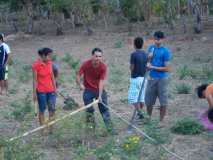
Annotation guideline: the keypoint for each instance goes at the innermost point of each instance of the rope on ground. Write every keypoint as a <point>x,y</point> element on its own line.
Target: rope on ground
<point>53,122</point>
<point>143,133</point>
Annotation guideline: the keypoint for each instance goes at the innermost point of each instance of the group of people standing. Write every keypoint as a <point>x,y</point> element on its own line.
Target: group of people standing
<point>149,76</point>
<point>149,80</point>
<point>94,73</point>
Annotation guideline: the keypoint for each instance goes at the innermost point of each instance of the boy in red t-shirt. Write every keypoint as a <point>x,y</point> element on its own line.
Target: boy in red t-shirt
<point>206,91</point>
<point>94,73</point>
<point>44,86</point>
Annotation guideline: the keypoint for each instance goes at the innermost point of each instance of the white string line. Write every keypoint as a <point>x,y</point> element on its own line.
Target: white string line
<point>143,133</point>
<point>83,108</point>
<point>53,122</point>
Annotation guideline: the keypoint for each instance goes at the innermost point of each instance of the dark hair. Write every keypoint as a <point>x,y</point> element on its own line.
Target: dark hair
<point>159,35</point>
<point>210,115</point>
<point>44,51</point>
<point>200,90</point>
<point>138,42</point>
<point>96,50</point>
<point>2,37</point>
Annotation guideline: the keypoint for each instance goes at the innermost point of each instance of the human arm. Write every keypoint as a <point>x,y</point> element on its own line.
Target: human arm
<point>165,59</point>
<point>78,81</point>
<point>53,81</point>
<point>78,77</point>
<point>34,85</point>
<point>8,52</point>
<point>132,60</point>
<point>101,88</point>
<point>209,98</point>
<point>131,67</point>
<point>102,81</point>
<point>166,68</point>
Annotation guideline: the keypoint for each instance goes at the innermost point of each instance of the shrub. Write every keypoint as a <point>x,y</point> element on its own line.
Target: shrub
<point>183,72</point>
<point>21,152</point>
<point>21,109</point>
<point>208,73</point>
<point>131,144</point>
<point>118,44</point>
<point>72,63</point>
<point>183,88</point>
<point>25,73</point>
<point>187,127</point>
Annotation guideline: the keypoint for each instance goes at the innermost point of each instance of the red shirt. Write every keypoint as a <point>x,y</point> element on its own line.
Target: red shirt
<point>44,76</point>
<point>92,74</point>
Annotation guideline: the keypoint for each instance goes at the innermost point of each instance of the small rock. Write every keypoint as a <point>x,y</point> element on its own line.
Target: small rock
<point>204,39</point>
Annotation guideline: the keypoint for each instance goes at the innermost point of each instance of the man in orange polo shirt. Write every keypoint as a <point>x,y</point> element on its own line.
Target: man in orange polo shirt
<point>44,86</point>
<point>206,91</point>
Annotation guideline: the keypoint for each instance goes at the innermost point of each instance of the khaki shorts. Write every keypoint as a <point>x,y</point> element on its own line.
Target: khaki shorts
<point>157,88</point>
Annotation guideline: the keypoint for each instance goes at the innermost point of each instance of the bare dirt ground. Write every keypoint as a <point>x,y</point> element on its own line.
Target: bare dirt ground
<point>194,51</point>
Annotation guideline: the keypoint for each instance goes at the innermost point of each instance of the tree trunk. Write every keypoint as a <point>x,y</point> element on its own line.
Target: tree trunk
<point>58,20</point>
<point>30,25</point>
<point>197,12</point>
<point>14,25</point>
<point>190,6</point>
<point>28,5</point>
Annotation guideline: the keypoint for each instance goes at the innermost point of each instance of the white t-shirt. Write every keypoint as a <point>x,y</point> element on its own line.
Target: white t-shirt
<point>6,47</point>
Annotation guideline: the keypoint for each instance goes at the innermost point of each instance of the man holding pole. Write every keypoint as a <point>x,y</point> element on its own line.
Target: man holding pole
<point>94,73</point>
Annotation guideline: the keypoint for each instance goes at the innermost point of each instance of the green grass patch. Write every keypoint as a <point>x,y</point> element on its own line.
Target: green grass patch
<point>183,88</point>
<point>183,72</point>
<point>21,108</point>
<point>187,127</point>
<point>118,44</point>
<point>71,61</point>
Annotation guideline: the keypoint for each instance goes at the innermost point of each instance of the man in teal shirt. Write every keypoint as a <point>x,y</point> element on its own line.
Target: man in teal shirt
<point>159,66</point>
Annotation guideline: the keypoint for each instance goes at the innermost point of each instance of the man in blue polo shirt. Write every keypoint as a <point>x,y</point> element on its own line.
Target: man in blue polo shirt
<point>159,66</point>
<point>4,56</point>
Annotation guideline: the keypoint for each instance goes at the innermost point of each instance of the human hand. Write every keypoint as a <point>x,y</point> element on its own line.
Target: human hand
<point>100,99</point>
<point>149,66</point>
<point>82,87</point>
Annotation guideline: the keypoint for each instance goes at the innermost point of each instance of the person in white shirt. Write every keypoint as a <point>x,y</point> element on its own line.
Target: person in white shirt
<point>4,57</point>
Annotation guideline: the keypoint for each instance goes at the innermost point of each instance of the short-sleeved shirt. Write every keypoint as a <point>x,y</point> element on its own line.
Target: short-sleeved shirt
<point>209,90</point>
<point>139,60</point>
<point>160,56</point>
<point>44,76</point>
<point>4,51</point>
<point>92,75</point>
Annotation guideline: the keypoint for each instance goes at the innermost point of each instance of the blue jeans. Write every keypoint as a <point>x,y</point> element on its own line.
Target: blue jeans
<point>88,97</point>
<point>46,99</point>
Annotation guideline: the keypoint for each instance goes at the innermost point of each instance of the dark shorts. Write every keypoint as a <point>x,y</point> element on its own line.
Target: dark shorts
<point>2,73</point>
<point>157,88</point>
<point>46,99</point>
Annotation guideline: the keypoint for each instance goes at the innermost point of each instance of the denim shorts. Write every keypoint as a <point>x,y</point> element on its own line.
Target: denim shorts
<point>46,99</point>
